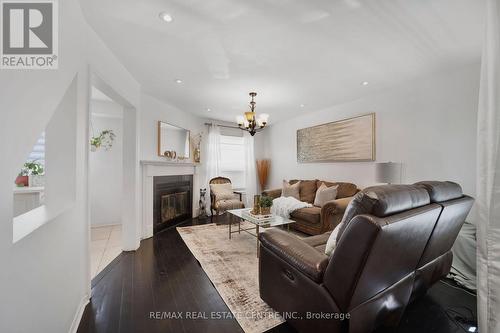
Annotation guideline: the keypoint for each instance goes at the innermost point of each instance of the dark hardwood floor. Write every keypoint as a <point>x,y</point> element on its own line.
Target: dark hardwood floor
<point>164,277</point>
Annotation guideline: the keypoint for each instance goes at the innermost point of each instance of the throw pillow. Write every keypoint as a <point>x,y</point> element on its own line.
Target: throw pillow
<point>307,190</point>
<point>291,190</point>
<point>362,203</point>
<point>332,241</point>
<point>325,194</point>
<point>222,191</point>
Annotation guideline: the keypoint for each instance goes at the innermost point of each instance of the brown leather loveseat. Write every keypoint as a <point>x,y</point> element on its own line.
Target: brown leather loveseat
<point>317,220</point>
<point>385,257</point>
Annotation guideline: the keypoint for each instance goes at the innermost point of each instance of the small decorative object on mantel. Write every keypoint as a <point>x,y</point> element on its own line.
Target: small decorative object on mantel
<point>196,143</point>
<point>104,140</point>
<point>249,122</point>
<point>170,154</point>
<point>202,204</point>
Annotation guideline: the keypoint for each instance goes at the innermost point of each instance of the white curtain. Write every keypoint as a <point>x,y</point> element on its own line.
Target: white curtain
<point>213,154</point>
<point>488,177</point>
<point>250,173</point>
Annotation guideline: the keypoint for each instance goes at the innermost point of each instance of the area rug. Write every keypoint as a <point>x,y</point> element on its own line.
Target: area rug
<point>232,266</point>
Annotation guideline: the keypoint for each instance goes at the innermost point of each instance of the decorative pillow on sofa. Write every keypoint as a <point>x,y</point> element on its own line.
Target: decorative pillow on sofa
<point>222,191</point>
<point>291,190</point>
<point>332,241</point>
<point>325,194</point>
<point>362,203</point>
<point>307,190</point>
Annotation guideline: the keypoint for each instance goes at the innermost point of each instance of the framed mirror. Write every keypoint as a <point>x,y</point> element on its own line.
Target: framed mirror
<point>173,141</point>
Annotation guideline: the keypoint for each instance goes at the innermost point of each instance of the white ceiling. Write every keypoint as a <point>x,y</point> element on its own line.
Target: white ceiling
<point>290,52</point>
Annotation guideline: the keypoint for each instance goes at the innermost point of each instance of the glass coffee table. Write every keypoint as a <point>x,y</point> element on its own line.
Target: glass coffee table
<point>243,214</point>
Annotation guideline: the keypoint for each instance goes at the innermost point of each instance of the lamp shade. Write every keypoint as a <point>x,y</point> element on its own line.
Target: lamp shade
<point>388,172</point>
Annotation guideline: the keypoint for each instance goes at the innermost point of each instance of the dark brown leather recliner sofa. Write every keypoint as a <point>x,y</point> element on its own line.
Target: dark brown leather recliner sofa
<point>385,258</point>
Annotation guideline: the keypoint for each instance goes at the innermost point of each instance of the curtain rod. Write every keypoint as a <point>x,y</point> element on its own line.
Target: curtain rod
<point>208,124</point>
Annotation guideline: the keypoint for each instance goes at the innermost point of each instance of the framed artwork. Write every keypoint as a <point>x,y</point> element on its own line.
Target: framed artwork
<point>351,139</point>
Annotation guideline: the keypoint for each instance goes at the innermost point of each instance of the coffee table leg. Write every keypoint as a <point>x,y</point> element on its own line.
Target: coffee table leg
<point>239,226</point>
<point>257,232</point>
<point>230,227</point>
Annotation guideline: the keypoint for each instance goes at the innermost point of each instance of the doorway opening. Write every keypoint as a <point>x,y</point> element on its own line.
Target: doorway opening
<point>113,174</point>
<point>105,180</point>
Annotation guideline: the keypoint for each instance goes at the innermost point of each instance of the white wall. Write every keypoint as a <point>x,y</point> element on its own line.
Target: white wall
<point>45,276</point>
<point>153,110</point>
<point>106,166</point>
<point>428,124</point>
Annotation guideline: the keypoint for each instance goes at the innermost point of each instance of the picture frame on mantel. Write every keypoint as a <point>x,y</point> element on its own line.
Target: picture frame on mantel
<point>346,140</point>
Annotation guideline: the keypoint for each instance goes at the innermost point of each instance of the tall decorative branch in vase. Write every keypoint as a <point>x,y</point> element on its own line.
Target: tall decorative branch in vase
<point>263,167</point>
<point>196,144</point>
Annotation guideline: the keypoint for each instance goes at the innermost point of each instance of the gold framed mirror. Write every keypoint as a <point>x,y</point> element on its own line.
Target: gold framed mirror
<point>173,141</point>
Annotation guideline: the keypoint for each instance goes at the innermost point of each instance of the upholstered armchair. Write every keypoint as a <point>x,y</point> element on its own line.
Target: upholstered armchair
<point>220,205</point>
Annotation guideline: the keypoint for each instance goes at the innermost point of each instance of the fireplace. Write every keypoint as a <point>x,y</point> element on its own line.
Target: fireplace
<point>173,200</point>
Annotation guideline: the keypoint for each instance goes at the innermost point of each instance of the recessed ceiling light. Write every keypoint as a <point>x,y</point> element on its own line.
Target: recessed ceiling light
<point>178,81</point>
<point>208,109</point>
<point>302,105</point>
<point>166,17</point>
<point>364,83</point>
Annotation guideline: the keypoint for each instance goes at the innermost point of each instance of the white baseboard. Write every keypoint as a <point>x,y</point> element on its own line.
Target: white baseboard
<point>79,314</point>
<point>98,225</point>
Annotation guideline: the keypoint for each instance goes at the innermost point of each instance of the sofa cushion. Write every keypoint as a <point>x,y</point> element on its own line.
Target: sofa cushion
<point>393,199</point>
<point>360,204</point>
<point>291,190</point>
<point>331,242</point>
<point>442,191</point>
<point>309,214</point>
<point>325,194</point>
<point>317,240</point>
<point>345,189</point>
<point>222,191</point>
<point>308,190</point>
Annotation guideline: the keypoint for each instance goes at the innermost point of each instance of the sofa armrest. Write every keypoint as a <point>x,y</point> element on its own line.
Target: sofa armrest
<point>272,193</point>
<point>295,252</point>
<point>332,212</point>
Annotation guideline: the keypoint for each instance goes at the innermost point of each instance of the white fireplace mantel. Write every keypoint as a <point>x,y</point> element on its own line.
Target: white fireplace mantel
<point>151,169</point>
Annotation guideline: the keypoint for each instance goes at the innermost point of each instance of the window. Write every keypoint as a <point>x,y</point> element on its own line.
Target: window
<point>233,160</point>
<point>38,152</point>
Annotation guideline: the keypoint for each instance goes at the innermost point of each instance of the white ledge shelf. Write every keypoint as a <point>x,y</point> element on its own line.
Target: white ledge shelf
<point>167,163</point>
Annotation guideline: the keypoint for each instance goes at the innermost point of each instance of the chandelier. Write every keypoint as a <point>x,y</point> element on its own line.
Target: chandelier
<point>249,122</point>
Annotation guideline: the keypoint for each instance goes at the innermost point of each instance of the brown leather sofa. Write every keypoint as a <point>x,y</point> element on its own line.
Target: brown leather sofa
<point>386,257</point>
<point>317,220</point>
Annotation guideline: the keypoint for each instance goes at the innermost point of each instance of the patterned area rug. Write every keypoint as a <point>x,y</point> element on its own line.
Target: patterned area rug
<point>232,266</point>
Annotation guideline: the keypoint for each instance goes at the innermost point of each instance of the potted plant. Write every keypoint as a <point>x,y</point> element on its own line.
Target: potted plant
<point>22,178</point>
<point>104,139</point>
<point>36,172</point>
<point>265,205</point>
<point>30,174</point>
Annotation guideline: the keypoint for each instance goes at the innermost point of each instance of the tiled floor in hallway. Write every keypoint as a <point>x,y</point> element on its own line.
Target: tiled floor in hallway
<point>105,245</point>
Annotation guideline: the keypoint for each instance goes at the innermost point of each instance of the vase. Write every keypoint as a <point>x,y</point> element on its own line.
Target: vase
<point>197,155</point>
<point>22,181</point>
<point>36,181</point>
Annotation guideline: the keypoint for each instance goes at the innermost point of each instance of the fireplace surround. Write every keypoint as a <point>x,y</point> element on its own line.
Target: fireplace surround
<point>152,169</point>
<point>173,200</point>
